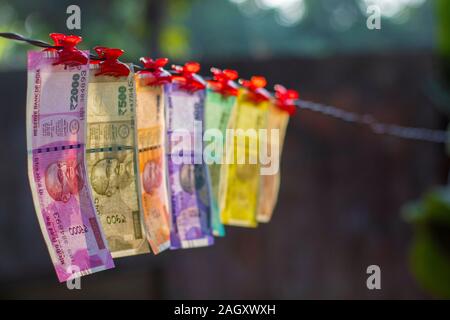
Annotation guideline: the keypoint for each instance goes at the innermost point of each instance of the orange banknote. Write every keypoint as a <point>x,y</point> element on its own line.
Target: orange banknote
<point>152,165</point>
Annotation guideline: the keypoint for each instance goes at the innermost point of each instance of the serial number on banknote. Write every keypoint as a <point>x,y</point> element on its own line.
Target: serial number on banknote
<point>79,229</point>
<point>115,219</point>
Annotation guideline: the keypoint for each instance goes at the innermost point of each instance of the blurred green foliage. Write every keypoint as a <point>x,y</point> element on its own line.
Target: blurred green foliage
<point>115,23</point>
<point>217,29</point>
<point>430,252</point>
<point>324,27</point>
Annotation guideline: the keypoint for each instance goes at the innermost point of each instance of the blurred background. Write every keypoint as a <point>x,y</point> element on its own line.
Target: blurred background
<point>348,199</point>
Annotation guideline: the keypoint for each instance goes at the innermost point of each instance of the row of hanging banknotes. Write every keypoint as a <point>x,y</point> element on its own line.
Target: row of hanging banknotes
<point>104,156</point>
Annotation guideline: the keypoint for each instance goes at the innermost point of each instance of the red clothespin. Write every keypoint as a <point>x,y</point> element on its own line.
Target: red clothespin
<point>255,89</point>
<point>223,82</point>
<point>188,78</point>
<point>68,53</point>
<point>285,99</point>
<point>153,69</point>
<point>108,63</point>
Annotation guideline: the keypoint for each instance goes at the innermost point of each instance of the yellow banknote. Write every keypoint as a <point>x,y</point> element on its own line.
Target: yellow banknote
<point>111,155</point>
<point>270,183</point>
<point>152,165</point>
<point>241,174</point>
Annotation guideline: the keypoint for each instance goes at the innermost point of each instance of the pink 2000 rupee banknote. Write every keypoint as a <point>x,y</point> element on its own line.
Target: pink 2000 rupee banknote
<point>56,101</point>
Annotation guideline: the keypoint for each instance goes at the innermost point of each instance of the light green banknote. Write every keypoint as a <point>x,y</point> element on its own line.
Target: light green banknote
<point>218,110</point>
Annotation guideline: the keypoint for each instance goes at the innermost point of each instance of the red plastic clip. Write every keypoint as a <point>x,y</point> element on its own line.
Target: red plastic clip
<point>223,82</point>
<point>68,53</point>
<point>188,78</point>
<point>285,99</point>
<point>157,75</point>
<point>109,65</point>
<point>255,87</point>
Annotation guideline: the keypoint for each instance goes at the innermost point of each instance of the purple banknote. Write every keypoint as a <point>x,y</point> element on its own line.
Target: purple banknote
<point>188,179</point>
<point>56,101</point>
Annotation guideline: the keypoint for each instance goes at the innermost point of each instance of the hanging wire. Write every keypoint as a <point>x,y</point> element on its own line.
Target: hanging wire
<point>18,37</point>
<point>37,43</point>
<point>410,133</point>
